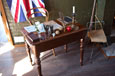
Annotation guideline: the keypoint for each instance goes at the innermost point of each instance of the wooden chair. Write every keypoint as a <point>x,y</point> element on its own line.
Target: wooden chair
<point>29,15</point>
<point>96,34</point>
<point>46,15</point>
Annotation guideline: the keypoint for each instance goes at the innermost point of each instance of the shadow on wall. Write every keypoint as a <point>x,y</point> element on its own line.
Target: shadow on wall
<point>3,37</point>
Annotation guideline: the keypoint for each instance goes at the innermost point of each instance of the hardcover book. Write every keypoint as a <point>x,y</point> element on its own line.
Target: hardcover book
<point>33,36</point>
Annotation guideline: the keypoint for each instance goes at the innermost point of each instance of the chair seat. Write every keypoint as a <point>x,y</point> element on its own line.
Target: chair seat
<point>97,36</point>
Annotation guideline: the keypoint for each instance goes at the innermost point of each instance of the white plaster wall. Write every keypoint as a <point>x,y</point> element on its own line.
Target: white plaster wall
<point>3,37</point>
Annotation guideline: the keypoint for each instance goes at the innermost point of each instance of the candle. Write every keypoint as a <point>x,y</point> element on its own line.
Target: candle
<point>73,9</point>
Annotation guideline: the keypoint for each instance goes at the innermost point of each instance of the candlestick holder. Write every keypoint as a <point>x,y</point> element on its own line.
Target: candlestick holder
<point>73,20</point>
<point>74,26</point>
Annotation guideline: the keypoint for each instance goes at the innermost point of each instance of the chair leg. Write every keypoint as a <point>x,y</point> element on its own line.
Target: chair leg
<point>102,51</point>
<point>91,54</point>
<point>65,47</point>
<point>53,50</point>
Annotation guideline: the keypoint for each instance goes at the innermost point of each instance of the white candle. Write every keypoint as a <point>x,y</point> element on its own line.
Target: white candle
<point>73,9</point>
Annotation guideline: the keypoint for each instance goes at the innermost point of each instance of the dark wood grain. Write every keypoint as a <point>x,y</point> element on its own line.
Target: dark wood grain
<point>53,42</point>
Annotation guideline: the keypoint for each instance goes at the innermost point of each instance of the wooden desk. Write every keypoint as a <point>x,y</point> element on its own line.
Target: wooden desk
<point>62,39</point>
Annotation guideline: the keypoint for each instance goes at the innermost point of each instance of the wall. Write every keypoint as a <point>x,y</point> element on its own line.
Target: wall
<point>108,16</point>
<point>3,37</point>
<point>6,27</point>
<point>83,9</point>
<point>100,9</point>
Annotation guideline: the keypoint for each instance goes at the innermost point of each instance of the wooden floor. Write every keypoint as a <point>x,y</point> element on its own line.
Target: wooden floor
<point>15,62</point>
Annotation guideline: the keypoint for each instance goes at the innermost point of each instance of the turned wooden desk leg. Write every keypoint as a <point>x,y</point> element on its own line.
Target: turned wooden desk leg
<point>53,50</point>
<point>65,47</point>
<point>81,52</point>
<point>28,52</point>
<point>37,61</point>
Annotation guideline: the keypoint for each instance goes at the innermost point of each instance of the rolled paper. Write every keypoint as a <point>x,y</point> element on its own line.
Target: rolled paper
<point>73,9</point>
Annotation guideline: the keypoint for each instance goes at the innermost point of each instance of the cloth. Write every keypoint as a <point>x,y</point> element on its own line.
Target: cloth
<point>19,8</point>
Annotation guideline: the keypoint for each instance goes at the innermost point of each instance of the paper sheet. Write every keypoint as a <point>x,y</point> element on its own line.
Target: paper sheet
<point>30,28</point>
<point>33,29</point>
<point>54,24</point>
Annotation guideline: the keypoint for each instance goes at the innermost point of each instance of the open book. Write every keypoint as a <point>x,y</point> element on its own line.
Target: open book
<point>66,20</point>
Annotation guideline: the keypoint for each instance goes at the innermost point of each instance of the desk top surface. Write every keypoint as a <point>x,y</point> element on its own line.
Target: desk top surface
<point>35,40</point>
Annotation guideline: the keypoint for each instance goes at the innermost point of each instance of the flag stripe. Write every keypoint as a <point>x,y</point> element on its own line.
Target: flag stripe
<point>17,11</point>
<point>27,6</point>
<point>41,5</point>
<point>42,2</point>
<point>10,4</point>
<point>36,10</point>
<point>13,8</point>
<point>22,15</point>
<point>35,4</point>
<point>31,6</point>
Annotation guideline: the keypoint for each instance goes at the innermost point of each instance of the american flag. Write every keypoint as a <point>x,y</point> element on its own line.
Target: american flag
<point>19,8</point>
